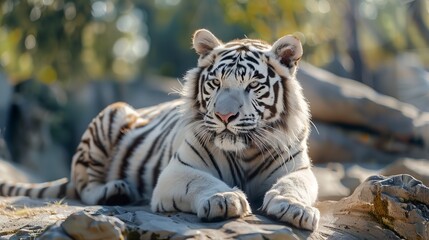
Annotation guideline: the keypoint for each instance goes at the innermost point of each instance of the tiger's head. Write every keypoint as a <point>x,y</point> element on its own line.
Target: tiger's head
<point>244,92</point>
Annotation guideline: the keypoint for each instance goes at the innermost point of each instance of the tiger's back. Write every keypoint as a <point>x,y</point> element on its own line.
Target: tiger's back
<point>119,157</point>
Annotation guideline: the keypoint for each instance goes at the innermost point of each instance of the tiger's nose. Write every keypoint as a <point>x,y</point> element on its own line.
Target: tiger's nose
<point>226,118</point>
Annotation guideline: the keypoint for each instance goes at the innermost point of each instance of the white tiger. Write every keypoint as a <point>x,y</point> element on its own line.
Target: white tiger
<point>236,139</point>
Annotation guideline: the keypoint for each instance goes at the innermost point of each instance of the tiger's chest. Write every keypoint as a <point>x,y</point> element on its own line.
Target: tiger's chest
<point>145,151</point>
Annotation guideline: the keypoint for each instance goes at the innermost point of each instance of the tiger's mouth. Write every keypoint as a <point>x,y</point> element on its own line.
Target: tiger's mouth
<point>228,141</point>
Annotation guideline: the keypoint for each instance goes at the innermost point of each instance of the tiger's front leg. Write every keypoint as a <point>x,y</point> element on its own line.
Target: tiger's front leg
<point>291,198</point>
<point>185,186</point>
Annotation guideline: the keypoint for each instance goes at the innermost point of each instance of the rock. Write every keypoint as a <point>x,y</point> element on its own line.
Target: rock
<point>356,173</point>
<point>380,208</point>
<point>31,126</point>
<point>331,143</point>
<point>329,179</point>
<point>356,123</point>
<point>417,168</point>
<point>340,100</point>
<point>5,99</point>
<point>10,172</point>
<point>25,218</point>
<point>4,150</point>
<point>82,226</point>
<point>404,78</point>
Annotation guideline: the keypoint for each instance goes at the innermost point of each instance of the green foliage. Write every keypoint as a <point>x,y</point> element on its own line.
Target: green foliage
<point>79,40</point>
<point>365,33</point>
<point>65,40</point>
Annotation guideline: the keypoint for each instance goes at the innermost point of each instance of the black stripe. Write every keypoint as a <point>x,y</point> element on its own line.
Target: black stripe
<point>112,115</point>
<point>1,189</point>
<point>296,214</point>
<point>141,168</point>
<point>265,163</point>
<point>300,220</point>
<point>170,151</point>
<point>81,162</point>
<point>232,170</point>
<point>28,192</point>
<point>41,192</point>
<point>86,141</point>
<point>285,212</point>
<point>182,162</point>
<point>197,85</point>
<point>280,165</point>
<point>196,152</point>
<point>272,159</point>
<point>95,163</point>
<point>155,145</point>
<point>175,206</point>
<point>240,173</point>
<point>83,186</point>
<point>273,108</point>
<point>9,192</point>
<point>251,59</point>
<point>253,157</point>
<point>213,162</point>
<point>96,140</point>
<point>162,207</point>
<point>258,169</point>
<point>173,117</point>
<point>271,72</point>
<point>130,150</point>
<point>62,191</point>
<point>187,186</point>
<point>100,119</point>
<point>244,124</point>
<point>157,168</point>
<point>303,168</point>
<point>225,215</point>
<point>210,208</point>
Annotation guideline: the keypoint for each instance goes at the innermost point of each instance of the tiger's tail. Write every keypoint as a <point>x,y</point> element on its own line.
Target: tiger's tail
<point>61,188</point>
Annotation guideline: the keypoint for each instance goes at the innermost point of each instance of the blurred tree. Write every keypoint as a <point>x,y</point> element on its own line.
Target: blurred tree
<point>79,40</point>
<point>171,25</point>
<point>65,40</point>
<point>355,36</point>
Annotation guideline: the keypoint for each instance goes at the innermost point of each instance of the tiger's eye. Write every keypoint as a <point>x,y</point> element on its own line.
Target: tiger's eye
<point>254,84</point>
<point>216,82</point>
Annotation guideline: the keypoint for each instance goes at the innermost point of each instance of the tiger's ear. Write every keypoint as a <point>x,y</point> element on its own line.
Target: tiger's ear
<point>204,42</point>
<point>288,50</point>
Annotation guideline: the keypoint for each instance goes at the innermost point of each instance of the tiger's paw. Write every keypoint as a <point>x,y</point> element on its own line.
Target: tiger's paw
<point>291,211</point>
<point>221,206</point>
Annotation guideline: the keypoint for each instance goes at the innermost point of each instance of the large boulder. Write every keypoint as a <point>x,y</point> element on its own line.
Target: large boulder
<point>404,78</point>
<point>354,123</point>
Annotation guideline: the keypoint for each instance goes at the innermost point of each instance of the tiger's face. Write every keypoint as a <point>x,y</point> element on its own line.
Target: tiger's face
<point>241,89</point>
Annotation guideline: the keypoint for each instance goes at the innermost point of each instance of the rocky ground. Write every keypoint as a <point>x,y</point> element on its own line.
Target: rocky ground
<point>380,208</point>
<point>395,207</point>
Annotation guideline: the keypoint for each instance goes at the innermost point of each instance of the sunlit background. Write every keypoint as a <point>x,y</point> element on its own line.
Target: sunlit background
<point>72,41</point>
<point>61,61</point>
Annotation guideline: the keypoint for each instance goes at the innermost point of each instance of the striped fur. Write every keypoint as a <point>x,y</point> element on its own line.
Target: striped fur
<point>236,139</point>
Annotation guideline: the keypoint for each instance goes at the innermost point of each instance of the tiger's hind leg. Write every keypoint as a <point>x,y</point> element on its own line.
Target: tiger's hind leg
<point>94,154</point>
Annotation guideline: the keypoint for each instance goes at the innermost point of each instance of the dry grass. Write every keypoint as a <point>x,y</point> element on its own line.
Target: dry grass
<point>16,212</point>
